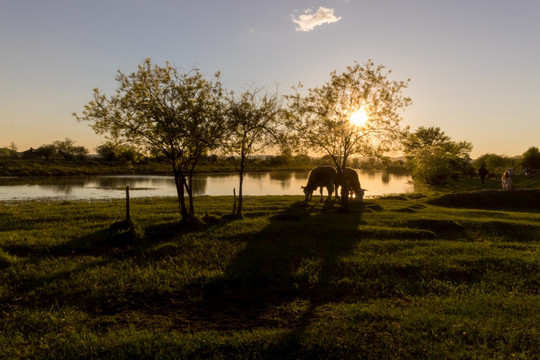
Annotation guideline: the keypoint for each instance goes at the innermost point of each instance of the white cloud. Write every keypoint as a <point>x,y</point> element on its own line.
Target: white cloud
<point>309,21</point>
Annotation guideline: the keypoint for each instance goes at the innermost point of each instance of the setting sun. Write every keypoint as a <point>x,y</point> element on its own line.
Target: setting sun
<point>359,118</point>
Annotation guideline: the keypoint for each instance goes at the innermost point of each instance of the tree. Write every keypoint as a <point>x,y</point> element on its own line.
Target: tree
<point>531,158</point>
<point>322,117</point>
<point>111,150</point>
<point>254,126</point>
<point>69,151</point>
<point>159,109</point>
<point>494,162</point>
<point>432,155</point>
<point>108,150</point>
<point>14,149</point>
<point>47,151</point>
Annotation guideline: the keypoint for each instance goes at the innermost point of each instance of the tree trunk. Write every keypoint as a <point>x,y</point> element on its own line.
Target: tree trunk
<point>179,182</point>
<point>189,189</point>
<point>240,185</point>
<point>241,174</point>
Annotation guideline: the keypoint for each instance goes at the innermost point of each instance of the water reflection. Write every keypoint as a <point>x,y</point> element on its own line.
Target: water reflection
<point>198,185</point>
<point>284,178</point>
<point>106,187</point>
<point>385,177</point>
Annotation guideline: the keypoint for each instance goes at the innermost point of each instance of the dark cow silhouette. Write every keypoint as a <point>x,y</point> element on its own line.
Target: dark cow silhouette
<point>323,176</point>
<point>353,183</point>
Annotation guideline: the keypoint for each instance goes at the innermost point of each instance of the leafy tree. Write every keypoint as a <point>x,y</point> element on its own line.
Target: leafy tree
<point>254,126</point>
<point>159,109</point>
<point>47,151</point>
<point>111,150</point>
<point>531,158</point>
<point>14,149</point>
<point>69,151</point>
<point>108,150</point>
<point>432,155</point>
<point>494,162</point>
<point>322,117</point>
<point>301,160</point>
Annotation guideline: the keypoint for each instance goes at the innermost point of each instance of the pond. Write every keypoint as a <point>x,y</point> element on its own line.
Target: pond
<point>108,187</point>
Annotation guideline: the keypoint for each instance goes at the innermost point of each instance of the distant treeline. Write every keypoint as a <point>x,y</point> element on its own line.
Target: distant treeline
<point>34,163</point>
<point>63,157</point>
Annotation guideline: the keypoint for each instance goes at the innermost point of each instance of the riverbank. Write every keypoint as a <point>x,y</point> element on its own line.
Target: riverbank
<point>405,276</point>
<point>56,167</point>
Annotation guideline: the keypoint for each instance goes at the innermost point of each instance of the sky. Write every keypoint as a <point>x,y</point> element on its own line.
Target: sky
<point>473,65</point>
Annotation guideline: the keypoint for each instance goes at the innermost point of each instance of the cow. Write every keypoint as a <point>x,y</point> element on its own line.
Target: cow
<point>323,176</point>
<point>353,184</point>
<point>506,179</point>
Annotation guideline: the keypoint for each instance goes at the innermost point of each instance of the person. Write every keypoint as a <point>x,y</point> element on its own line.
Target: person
<point>483,173</point>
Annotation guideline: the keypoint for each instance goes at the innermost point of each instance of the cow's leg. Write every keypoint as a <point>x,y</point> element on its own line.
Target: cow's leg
<point>321,189</point>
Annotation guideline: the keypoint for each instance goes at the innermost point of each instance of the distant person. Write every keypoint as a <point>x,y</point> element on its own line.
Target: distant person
<point>483,172</point>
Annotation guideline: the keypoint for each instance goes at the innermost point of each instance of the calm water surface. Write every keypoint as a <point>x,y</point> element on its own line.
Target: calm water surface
<point>107,187</point>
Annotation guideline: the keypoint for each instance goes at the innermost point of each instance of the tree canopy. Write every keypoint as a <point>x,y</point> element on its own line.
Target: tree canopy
<point>432,155</point>
<point>253,118</point>
<point>531,158</point>
<point>357,112</point>
<point>494,162</point>
<point>322,117</point>
<point>160,109</point>
<point>67,149</point>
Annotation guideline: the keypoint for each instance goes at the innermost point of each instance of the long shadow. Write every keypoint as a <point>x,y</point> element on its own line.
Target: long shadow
<point>266,276</point>
<point>104,245</point>
<point>293,258</point>
<point>116,242</point>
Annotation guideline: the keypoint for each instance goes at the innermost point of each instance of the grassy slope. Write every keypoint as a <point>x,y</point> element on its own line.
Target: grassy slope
<point>400,277</point>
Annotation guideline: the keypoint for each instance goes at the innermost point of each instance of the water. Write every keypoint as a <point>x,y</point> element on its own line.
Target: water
<point>108,187</point>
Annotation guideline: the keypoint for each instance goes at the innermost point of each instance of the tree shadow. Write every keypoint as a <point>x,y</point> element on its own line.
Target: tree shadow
<point>294,258</point>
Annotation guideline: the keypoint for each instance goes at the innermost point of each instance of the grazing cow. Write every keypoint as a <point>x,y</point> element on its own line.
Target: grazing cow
<point>506,179</point>
<point>323,176</point>
<point>353,184</point>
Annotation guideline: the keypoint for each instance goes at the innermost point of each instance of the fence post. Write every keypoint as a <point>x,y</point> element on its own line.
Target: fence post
<point>128,216</point>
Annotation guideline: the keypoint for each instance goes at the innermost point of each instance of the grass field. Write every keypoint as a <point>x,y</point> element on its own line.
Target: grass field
<point>439,275</point>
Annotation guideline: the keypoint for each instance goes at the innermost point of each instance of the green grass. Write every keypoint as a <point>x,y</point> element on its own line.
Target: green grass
<point>401,277</point>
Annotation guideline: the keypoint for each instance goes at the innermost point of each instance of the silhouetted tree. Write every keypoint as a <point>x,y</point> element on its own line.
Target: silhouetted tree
<point>67,149</point>
<point>322,117</point>
<point>14,149</point>
<point>111,150</point>
<point>160,109</point>
<point>47,151</point>
<point>531,158</point>
<point>253,118</point>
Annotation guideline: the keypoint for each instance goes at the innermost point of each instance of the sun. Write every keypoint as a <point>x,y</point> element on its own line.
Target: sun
<point>359,118</point>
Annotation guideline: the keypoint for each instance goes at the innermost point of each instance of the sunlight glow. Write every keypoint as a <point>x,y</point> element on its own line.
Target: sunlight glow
<point>359,117</point>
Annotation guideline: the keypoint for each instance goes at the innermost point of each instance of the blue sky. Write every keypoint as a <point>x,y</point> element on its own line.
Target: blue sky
<point>474,65</point>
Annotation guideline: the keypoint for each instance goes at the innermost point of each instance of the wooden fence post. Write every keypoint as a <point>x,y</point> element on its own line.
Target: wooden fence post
<point>128,216</point>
